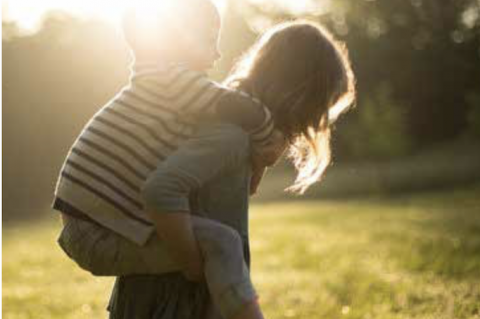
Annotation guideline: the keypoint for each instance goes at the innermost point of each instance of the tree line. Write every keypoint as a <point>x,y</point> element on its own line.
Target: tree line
<point>417,65</point>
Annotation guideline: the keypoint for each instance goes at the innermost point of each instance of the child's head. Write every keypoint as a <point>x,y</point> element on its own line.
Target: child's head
<point>304,76</point>
<point>173,31</point>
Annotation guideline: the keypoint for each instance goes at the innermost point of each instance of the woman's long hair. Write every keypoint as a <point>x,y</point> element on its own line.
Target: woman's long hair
<point>303,75</point>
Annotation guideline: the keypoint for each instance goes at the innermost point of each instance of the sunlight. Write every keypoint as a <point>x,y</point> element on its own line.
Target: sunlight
<point>28,13</point>
<point>149,12</point>
<point>296,7</point>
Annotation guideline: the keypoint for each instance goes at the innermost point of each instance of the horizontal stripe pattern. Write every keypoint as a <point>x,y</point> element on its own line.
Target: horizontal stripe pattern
<point>113,141</point>
<point>151,113</point>
<point>140,125</point>
<point>102,180</point>
<point>91,146</point>
<point>95,164</point>
<point>129,137</point>
<point>104,197</point>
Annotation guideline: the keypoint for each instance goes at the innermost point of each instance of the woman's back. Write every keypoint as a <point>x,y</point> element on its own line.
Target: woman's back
<point>224,199</point>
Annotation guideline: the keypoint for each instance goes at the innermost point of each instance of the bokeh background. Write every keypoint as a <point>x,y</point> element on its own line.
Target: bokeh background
<point>393,231</point>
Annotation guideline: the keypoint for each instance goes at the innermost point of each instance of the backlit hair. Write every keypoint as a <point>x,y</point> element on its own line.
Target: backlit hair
<point>304,76</point>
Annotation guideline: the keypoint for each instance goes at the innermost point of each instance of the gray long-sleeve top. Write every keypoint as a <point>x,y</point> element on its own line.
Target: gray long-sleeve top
<point>214,150</point>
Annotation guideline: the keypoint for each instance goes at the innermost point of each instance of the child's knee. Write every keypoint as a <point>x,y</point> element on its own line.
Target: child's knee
<point>220,240</point>
<point>230,239</point>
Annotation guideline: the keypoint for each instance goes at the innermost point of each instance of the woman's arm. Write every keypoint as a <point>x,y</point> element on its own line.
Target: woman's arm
<point>176,231</point>
<point>165,193</point>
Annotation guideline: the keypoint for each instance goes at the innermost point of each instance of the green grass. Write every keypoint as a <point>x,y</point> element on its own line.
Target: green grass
<point>408,257</point>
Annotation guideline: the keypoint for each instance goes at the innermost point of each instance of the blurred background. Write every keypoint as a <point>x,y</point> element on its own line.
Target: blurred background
<point>417,62</point>
<point>406,160</point>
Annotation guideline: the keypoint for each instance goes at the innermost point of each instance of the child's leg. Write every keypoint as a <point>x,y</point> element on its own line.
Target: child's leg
<point>226,272</point>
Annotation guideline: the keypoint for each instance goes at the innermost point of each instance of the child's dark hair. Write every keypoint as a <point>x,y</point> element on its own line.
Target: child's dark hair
<point>304,76</point>
<point>170,21</point>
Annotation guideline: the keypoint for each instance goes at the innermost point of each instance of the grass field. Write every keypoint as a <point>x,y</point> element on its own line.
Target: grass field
<point>407,257</point>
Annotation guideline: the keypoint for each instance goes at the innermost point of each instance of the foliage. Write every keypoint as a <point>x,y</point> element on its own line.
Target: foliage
<point>55,79</point>
<point>428,50</point>
<point>473,126</point>
<point>379,129</point>
<point>409,257</point>
<point>53,82</point>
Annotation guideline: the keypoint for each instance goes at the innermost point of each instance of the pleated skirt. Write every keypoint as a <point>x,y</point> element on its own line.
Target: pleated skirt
<point>165,296</point>
<point>168,296</point>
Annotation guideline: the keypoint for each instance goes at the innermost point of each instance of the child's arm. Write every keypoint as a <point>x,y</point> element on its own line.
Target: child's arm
<point>245,111</point>
<point>249,113</point>
<point>203,98</point>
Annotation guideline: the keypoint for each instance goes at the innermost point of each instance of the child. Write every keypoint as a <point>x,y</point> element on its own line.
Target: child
<point>107,228</point>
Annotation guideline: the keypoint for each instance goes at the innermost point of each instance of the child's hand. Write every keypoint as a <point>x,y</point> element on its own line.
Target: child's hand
<point>269,154</point>
<point>257,176</point>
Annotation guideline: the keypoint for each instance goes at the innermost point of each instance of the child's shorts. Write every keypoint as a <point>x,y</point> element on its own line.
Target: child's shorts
<point>103,252</point>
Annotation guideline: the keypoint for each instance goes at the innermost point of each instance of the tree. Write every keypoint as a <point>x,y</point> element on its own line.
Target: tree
<point>427,50</point>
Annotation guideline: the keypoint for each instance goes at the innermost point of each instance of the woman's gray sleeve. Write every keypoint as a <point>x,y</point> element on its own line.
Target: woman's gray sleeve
<point>212,150</point>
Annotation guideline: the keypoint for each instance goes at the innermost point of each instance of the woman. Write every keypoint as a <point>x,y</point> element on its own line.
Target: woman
<point>224,199</point>
<point>304,76</point>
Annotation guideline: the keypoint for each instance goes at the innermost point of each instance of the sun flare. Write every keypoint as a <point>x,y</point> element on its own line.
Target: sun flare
<point>28,13</point>
<point>295,6</point>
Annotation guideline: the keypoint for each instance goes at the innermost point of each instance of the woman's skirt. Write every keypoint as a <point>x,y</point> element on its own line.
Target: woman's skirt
<point>167,296</point>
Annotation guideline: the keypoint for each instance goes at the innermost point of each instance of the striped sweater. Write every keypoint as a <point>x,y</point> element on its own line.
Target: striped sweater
<point>125,140</point>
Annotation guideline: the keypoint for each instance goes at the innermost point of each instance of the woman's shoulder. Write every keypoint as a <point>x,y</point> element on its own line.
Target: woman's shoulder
<point>222,139</point>
<point>229,135</point>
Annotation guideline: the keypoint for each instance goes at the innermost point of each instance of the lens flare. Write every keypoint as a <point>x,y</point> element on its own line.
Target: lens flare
<point>148,12</point>
<point>28,13</point>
